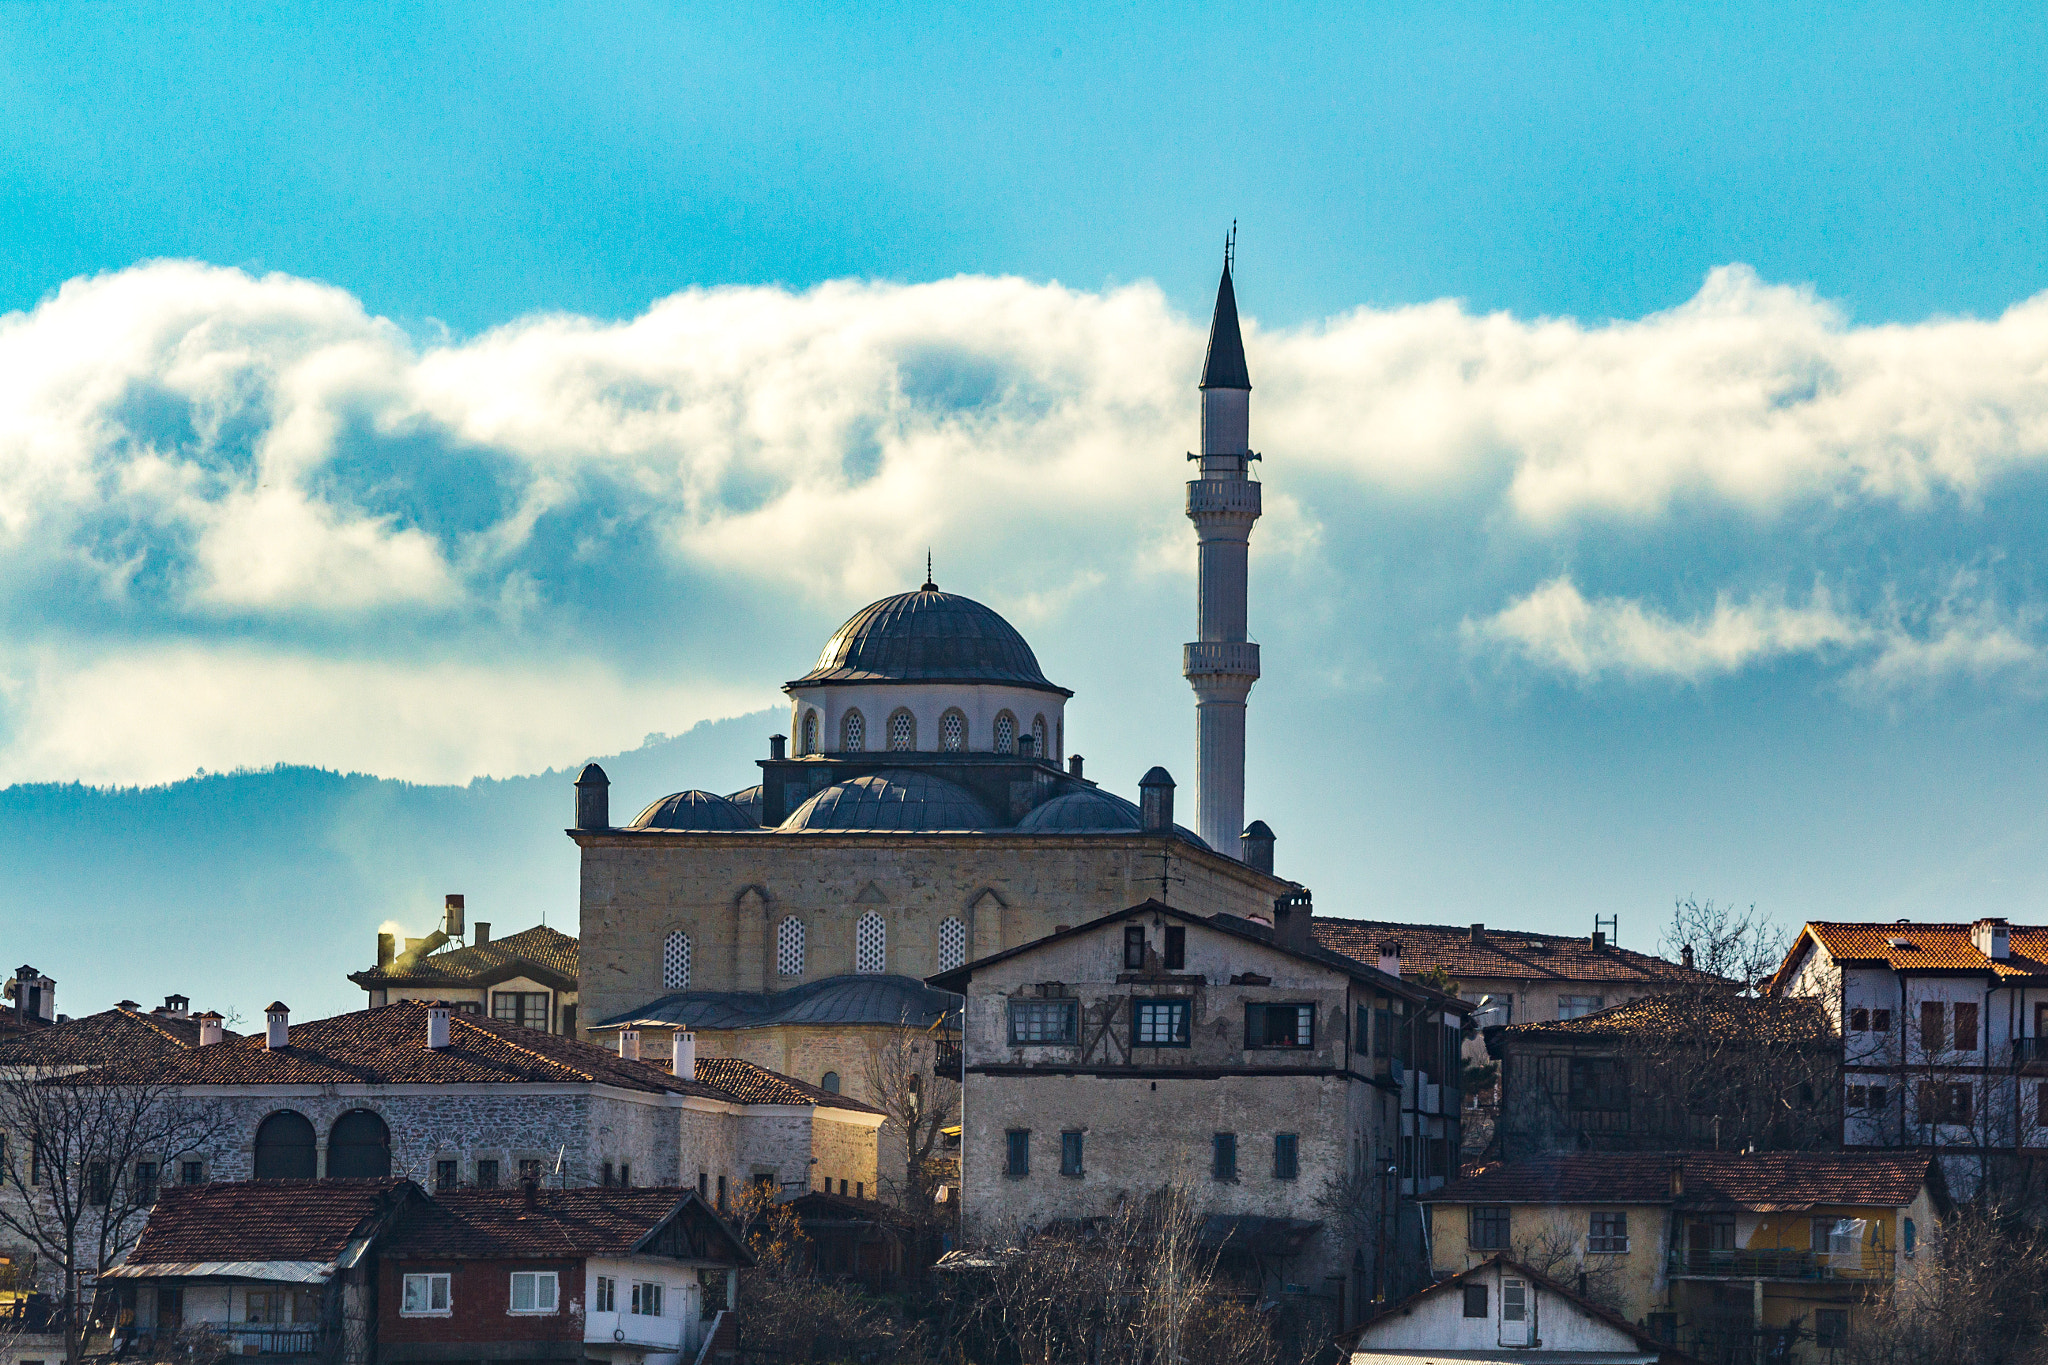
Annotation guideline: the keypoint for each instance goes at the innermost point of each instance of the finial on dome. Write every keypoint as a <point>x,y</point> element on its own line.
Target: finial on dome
<point>929,586</point>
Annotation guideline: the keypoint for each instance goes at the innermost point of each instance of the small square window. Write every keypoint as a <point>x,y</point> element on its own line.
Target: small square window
<point>1475,1301</point>
<point>1070,1153</point>
<point>1859,1097</point>
<point>1859,1021</point>
<point>1286,1156</point>
<point>1609,1234</point>
<point>1880,1021</point>
<point>1880,1096</point>
<point>1160,1023</point>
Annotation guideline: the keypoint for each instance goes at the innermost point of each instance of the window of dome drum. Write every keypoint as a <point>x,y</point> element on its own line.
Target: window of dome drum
<point>789,947</point>
<point>810,739</point>
<point>952,728</point>
<point>870,945</point>
<point>1038,748</point>
<point>675,963</point>
<point>853,733</point>
<point>1006,733</point>
<point>952,944</point>
<point>902,733</point>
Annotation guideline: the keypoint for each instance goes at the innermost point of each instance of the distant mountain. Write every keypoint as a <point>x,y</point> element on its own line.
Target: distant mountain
<point>242,888</point>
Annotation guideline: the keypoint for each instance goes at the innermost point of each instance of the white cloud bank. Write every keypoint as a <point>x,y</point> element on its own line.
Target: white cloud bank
<point>242,520</point>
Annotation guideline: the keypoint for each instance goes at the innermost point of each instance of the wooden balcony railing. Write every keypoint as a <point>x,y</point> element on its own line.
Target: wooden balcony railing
<point>1774,1264</point>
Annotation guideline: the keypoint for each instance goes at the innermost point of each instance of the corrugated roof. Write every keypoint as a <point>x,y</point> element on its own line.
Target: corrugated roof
<point>1730,1180</point>
<point>835,1000</point>
<point>1509,953</point>
<point>547,948</point>
<point>263,1220</point>
<point>1929,947</point>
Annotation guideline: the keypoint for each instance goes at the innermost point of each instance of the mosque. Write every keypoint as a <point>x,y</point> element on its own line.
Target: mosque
<point>927,813</point>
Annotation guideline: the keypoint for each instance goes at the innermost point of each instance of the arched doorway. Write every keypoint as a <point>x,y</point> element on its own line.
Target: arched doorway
<point>285,1146</point>
<point>358,1147</point>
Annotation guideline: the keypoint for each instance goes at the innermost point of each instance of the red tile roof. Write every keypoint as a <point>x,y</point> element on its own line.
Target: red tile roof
<point>1690,1014</point>
<point>757,1085</point>
<point>547,948</point>
<point>1510,953</point>
<point>1711,1180</point>
<point>263,1220</point>
<point>593,1221</point>
<point>109,1036</point>
<point>1924,947</point>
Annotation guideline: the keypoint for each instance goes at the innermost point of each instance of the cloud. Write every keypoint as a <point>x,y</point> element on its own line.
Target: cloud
<point>243,520</point>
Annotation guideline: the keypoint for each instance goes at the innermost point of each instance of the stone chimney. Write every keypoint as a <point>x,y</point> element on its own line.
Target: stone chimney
<point>1255,846</point>
<point>277,1026</point>
<point>686,1055</point>
<point>777,746</point>
<point>1073,765</point>
<point>451,915</point>
<point>1992,938</point>
<point>1390,958</point>
<point>437,1026</point>
<point>177,1006</point>
<point>483,933</point>
<point>1685,957</point>
<point>1479,933</point>
<point>593,798</point>
<point>209,1029</point>
<point>35,995</point>
<point>1026,743</point>
<point>1155,802</point>
<point>1291,915</point>
<point>629,1044</point>
<point>387,949</point>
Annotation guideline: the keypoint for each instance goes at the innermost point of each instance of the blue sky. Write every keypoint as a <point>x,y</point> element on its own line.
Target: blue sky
<point>1655,403</point>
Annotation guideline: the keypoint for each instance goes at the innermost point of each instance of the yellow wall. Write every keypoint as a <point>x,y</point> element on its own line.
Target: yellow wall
<point>1635,1277</point>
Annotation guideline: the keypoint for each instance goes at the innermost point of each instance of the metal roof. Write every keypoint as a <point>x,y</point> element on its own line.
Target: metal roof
<point>899,799</point>
<point>841,1000</point>
<point>928,636</point>
<point>1224,368</point>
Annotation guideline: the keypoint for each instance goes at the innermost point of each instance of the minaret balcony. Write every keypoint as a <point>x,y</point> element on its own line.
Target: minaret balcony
<point>1230,658</point>
<point>1224,497</point>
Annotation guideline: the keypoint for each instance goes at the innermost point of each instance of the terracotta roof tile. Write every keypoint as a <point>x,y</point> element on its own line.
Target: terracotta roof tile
<point>540,945</point>
<point>1928,947</point>
<point>1689,1014</point>
<point>757,1085</point>
<point>109,1036</point>
<point>495,1224</point>
<point>262,1220</point>
<point>1730,1180</point>
<point>1509,953</point>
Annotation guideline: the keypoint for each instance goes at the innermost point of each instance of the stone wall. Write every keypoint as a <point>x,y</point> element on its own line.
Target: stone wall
<point>843,1149</point>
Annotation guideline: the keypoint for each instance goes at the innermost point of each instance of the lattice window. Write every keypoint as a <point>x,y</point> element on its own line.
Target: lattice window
<point>853,733</point>
<point>810,741</point>
<point>952,731</point>
<point>952,944</point>
<point>871,945</point>
<point>675,962</point>
<point>1006,733</point>
<point>902,733</point>
<point>789,947</point>
<point>1038,748</point>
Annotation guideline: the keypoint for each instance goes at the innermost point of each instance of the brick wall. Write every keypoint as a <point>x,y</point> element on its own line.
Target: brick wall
<point>479,1301</point>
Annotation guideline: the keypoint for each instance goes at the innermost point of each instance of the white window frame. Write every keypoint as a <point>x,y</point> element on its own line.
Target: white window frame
<point>646,1293</point>
<point>541,1280</point>
<point>607,1295</point>
<point>427,1284</point>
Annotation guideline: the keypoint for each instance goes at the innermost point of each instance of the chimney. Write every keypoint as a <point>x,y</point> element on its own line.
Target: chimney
<point>451,915</point>
<point>277,1026</point>
<point>1155,802</point>
<point>483,932</point>
<point>1025,744</point>
<point>437,1027</point>
<point>387,949</point>
<point>629,1044</point>
<point>1685,957</point>
<point>177,1006</point>
<point>125,1005</point>
<point>1992,938</point>
<point>35,995</point>
<point>1479,933</point>
<point>593,798</point>
<point>1291,914</point>
<point>1677,1179</point>
<point>1073,765</point>
<point>1255,847</point>
<point>532,1188</point>
<point>1599,939</point>
<point>686,1055</point>
<point>778,746</point>
<point>1390,958</point>
<point>209,1029</point>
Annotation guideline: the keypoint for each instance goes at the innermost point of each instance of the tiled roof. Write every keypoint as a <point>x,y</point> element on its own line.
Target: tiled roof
<point>1584,1305</point>
<point>1927,947</point>
<point>1692,1014</point>
<point>262,1220</point>
<point>835,1000</point>
<point>1509,953</point>
<point>110,1036</point>
<point>544,947</point>
<point>1716,1180</point>
<point>388,1046</point>
<point>753,1084</point>
<point>495,1224</point>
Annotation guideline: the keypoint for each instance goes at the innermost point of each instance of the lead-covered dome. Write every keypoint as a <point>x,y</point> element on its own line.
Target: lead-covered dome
<point>1081,810</point>
<point>893,800</point>
<point>928,636</point>
<point>694,810</point>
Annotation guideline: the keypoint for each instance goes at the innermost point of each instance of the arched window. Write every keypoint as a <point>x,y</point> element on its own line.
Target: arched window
<point>1006,733</point>
<point>789,947</point>
<point>902,732</point>
<point>285,1148</point>
<point>675,962</point>
<point>1059,750</point>
<point>953,731</point>
<point>1038,749</point>
<point>952,944</point>
<point>853,733</point>
<point>358,1147</point>
<point>830,1083</point>
<point>809,744</point>
<point>870,945</point>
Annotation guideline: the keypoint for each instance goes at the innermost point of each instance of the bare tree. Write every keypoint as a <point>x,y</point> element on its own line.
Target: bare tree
<point>920,1105</point>
<point>1977,1297</point>
<point>792,1316</point>
<point>1741,946</point>
<point>79,1168</point>
<point>1557,1252</point>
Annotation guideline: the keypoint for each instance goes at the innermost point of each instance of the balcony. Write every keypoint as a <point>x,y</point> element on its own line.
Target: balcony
<point>243,1340</point>
<point>2030,1052</point>
<point>633,1329</point>
<point>1771,1263</point>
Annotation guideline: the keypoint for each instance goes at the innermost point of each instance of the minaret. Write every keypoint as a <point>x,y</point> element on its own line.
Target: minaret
<point>1223,503</point>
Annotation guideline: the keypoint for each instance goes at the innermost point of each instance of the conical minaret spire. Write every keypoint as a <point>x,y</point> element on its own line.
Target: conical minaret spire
<point>1223,503</point>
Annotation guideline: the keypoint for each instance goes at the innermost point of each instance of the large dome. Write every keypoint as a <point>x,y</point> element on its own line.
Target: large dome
<point>894,800</point>
<point>928,636</point>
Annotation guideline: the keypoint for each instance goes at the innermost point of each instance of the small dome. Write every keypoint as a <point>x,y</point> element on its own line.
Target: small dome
<point>1081,810</point>
<point>894,800</point>
<point>693,810</point>
<point>749,801</point>
<point>928,636</point>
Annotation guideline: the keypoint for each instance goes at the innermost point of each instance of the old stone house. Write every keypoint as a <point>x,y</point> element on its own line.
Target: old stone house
<point>1298,1094</point>
<point>461,1100</point>
<point>527,978</point>
<point>1724,1254</point>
